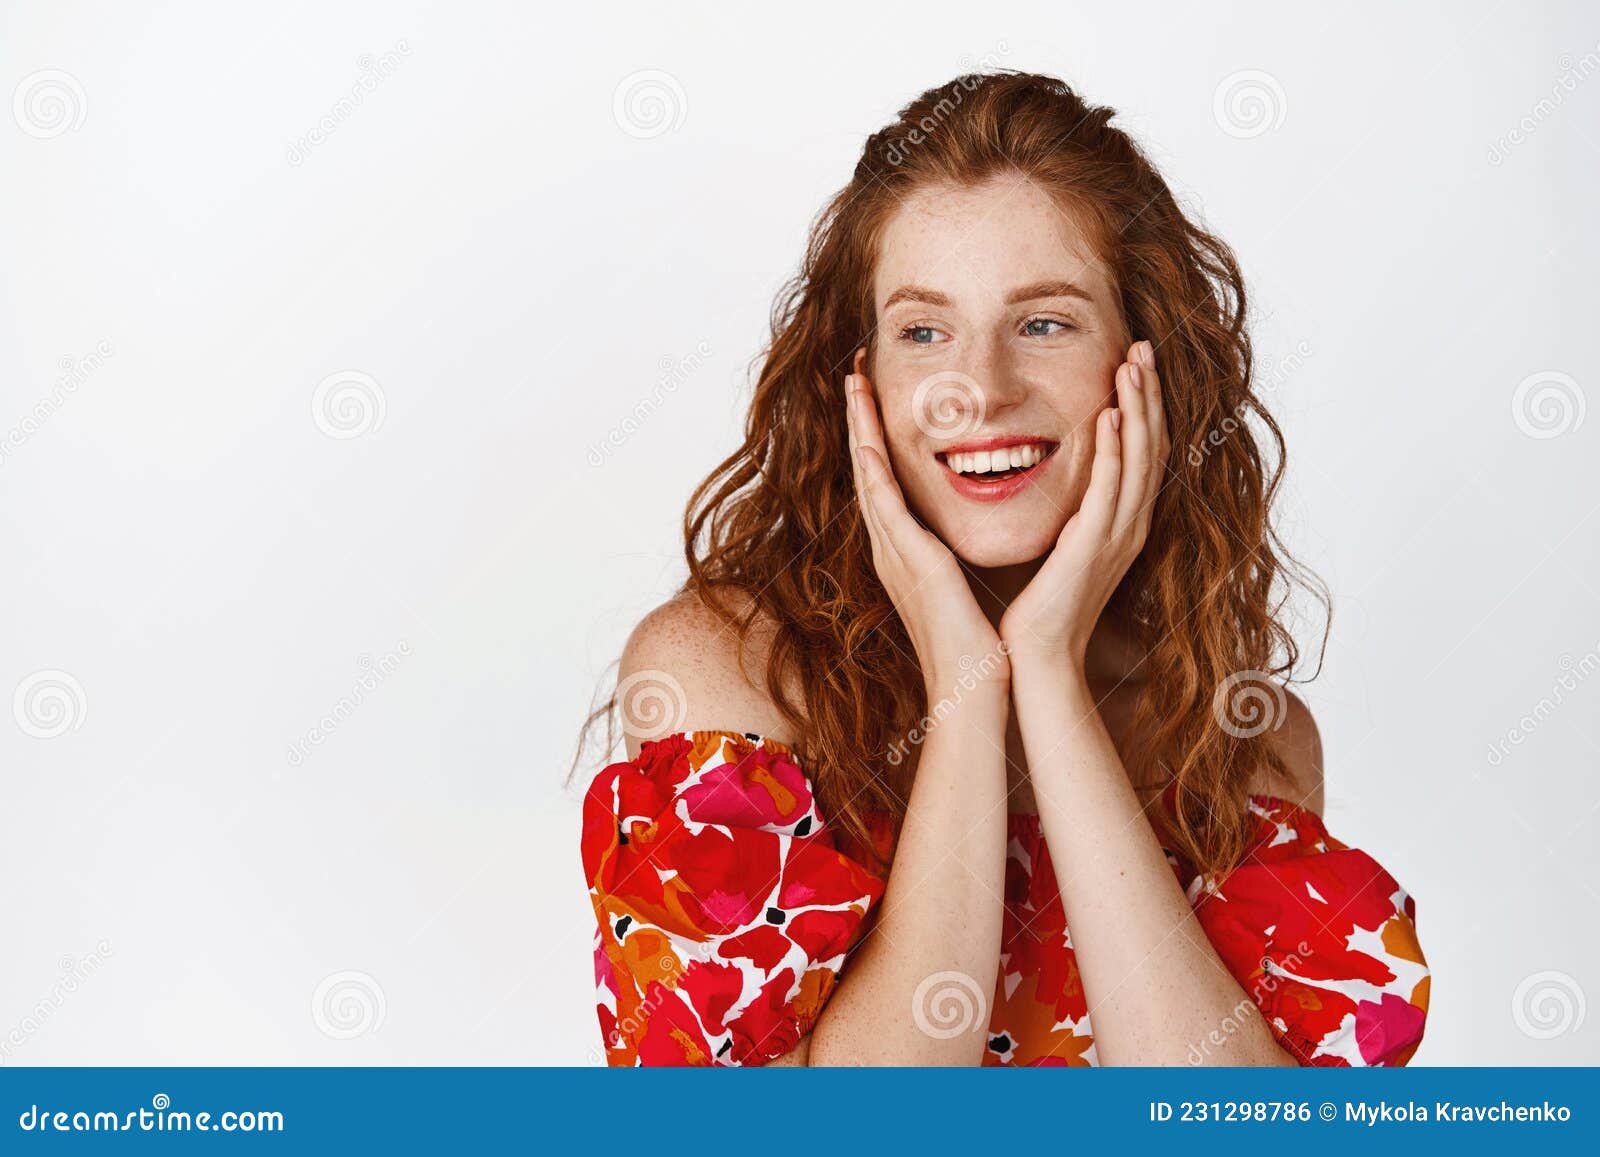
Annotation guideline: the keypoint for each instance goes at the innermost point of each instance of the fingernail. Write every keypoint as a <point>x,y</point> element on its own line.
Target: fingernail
<point>1136,377</point>
<point>1147,353</point>
<point>1116,419</point>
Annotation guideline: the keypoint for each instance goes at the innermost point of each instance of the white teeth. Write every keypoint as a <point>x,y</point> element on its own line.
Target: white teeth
<point>996,461</point>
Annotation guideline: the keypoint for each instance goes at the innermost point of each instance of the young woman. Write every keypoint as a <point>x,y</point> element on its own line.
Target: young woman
<point>965,742</point>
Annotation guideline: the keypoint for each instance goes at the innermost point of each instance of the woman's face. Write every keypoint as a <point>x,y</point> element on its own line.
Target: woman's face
<point>998,335</point>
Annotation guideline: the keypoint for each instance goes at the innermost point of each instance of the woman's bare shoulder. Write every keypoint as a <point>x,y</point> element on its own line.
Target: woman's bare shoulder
<point>1298,744</point>
<point>683,663</point>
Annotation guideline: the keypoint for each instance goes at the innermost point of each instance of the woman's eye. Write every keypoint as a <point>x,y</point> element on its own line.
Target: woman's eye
<point>1040,327</point>
<point>920,334</point>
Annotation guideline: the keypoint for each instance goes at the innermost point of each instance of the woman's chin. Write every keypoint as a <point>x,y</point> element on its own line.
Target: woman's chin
<point>1005,534</point>
<point>990,549</point>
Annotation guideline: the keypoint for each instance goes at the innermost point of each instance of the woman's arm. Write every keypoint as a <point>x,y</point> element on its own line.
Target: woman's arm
<point>941,912</point>
<point>1154,984</point>
<point>936,944</point>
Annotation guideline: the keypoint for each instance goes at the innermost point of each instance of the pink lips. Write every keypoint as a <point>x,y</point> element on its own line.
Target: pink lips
<point>969,486</point>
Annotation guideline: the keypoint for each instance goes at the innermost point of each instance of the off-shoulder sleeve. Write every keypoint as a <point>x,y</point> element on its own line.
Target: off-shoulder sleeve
<point>725,911</point>
<point>1324,941</point>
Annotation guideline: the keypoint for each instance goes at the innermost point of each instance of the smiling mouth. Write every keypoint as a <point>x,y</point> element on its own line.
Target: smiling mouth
<point>1003,464</point>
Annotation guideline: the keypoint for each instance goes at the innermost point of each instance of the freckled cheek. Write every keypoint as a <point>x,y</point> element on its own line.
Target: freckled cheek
<point>1088,385</point>
<point>907,448</point>
<point>1090,392</point>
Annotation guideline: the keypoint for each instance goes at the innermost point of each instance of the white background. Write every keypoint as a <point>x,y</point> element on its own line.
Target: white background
<point>485,238</point>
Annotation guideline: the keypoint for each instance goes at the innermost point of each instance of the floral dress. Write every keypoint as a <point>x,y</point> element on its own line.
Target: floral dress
<point>726,912</point>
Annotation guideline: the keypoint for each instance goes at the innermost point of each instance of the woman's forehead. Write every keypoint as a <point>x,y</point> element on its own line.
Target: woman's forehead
<point>980,242</point>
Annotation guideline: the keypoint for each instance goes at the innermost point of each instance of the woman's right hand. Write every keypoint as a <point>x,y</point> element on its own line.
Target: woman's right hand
<point>923,578</point>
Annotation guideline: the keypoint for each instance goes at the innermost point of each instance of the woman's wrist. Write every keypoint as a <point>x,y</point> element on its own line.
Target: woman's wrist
<point>980,679</point>
<point>1035,662</point>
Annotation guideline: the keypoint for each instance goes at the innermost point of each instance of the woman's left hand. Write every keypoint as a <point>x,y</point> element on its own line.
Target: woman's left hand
<point>1055,614</point>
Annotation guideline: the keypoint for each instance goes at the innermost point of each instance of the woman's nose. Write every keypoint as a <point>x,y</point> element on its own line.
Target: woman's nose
<point>994,368</point>
<point>963,398</point>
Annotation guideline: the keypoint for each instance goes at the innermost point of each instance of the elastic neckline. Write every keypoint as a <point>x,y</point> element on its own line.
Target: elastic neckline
<point>1015,821</point>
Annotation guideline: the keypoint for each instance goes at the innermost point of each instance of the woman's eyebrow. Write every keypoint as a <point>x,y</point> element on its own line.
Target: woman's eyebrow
<point>916,293</point>
<point>1042,289</point>
<point>1034,292</point>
